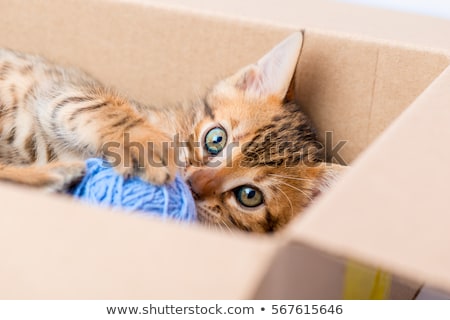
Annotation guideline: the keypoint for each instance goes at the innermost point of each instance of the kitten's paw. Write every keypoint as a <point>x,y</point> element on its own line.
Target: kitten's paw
<point>149,156</point>
<point>163,171</point>
<point>64,175</point>
<point>158,173</point>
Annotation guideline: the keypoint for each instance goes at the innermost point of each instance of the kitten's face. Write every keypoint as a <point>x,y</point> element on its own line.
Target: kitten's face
<point>257,163</point>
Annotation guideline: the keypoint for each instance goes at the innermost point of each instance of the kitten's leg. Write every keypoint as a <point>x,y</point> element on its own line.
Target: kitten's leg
<point>104,125</point>
<point>143,151</point>
<point>54,177</point>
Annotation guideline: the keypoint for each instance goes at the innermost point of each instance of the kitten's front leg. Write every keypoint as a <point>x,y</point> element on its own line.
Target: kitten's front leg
<point>107,126</point>
<point>142,151</point>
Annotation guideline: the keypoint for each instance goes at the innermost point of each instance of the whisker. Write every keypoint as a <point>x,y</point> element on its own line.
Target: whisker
<point>209,212</point>
<point>289,177</point>
<point>217,222</point>
<point>295,188</point>
<point>214,226</point>
<point>223,222</point>
<point>278,202</point>
<point>290,202</point>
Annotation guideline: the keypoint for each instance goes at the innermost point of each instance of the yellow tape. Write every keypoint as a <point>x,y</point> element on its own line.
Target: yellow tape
<point>363,283</point>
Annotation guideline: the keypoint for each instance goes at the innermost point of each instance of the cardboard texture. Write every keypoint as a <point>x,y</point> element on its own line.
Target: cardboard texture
<point>429,293</point>
<point>419,30</point>
<point>408,190</point>
<point>358,88</point>
<point>302,272</point>
<point>56,249</point>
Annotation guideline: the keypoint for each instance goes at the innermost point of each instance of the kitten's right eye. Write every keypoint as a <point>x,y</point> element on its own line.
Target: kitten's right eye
<point>215,140</point>
<point>248,196</point>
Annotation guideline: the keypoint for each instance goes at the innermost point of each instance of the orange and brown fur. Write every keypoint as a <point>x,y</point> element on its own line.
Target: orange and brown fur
<point>252,160</point>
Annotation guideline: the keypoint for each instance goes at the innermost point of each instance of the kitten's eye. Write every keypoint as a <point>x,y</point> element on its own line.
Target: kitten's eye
<point>215,140</point>
<point>248,196</point>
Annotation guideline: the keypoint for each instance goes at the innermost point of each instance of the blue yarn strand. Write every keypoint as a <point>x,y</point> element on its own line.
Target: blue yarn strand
<point>103,186</point>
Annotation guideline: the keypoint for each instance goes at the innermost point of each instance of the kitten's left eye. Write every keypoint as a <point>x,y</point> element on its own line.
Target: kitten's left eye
<point>215,140</point>
<point>248,196</point>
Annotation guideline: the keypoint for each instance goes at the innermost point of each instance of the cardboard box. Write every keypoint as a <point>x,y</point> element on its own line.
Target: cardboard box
<point>336,15</point>
<point>380,233</point>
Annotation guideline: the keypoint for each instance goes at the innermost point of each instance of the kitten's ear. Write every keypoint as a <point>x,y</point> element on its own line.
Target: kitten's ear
<point>272,74</point>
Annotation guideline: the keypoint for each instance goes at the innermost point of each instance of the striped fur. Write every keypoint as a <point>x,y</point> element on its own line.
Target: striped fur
<point>53,118</point>
<point>54,114</point>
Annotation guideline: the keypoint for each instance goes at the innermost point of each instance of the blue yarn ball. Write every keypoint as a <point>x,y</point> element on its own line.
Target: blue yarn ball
<point>102,185</point>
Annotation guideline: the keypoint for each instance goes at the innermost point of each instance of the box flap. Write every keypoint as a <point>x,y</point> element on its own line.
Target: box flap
<point>392,209</point>
<point>420,30</point>
<point>355,87</point>
<point>70,251</point>
<point>302,272</point>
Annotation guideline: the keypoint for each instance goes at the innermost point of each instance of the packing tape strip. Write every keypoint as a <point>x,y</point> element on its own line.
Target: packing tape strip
<point>364,283</point>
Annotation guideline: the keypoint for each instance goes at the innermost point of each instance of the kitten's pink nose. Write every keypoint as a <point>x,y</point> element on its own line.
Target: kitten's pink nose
<point>203,182</point>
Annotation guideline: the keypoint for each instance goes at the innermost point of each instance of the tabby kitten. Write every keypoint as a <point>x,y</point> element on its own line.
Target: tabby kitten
<point>252,160</point>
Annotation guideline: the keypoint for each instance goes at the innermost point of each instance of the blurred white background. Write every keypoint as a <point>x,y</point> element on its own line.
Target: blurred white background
<point>436,8</point>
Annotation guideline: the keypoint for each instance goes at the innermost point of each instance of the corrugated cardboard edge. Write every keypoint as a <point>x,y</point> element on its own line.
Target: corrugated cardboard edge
<point>330,15</point>
<point>71,251</point>
<point>417,248</point>
<point>354,87</point>
<point>300,271</point>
